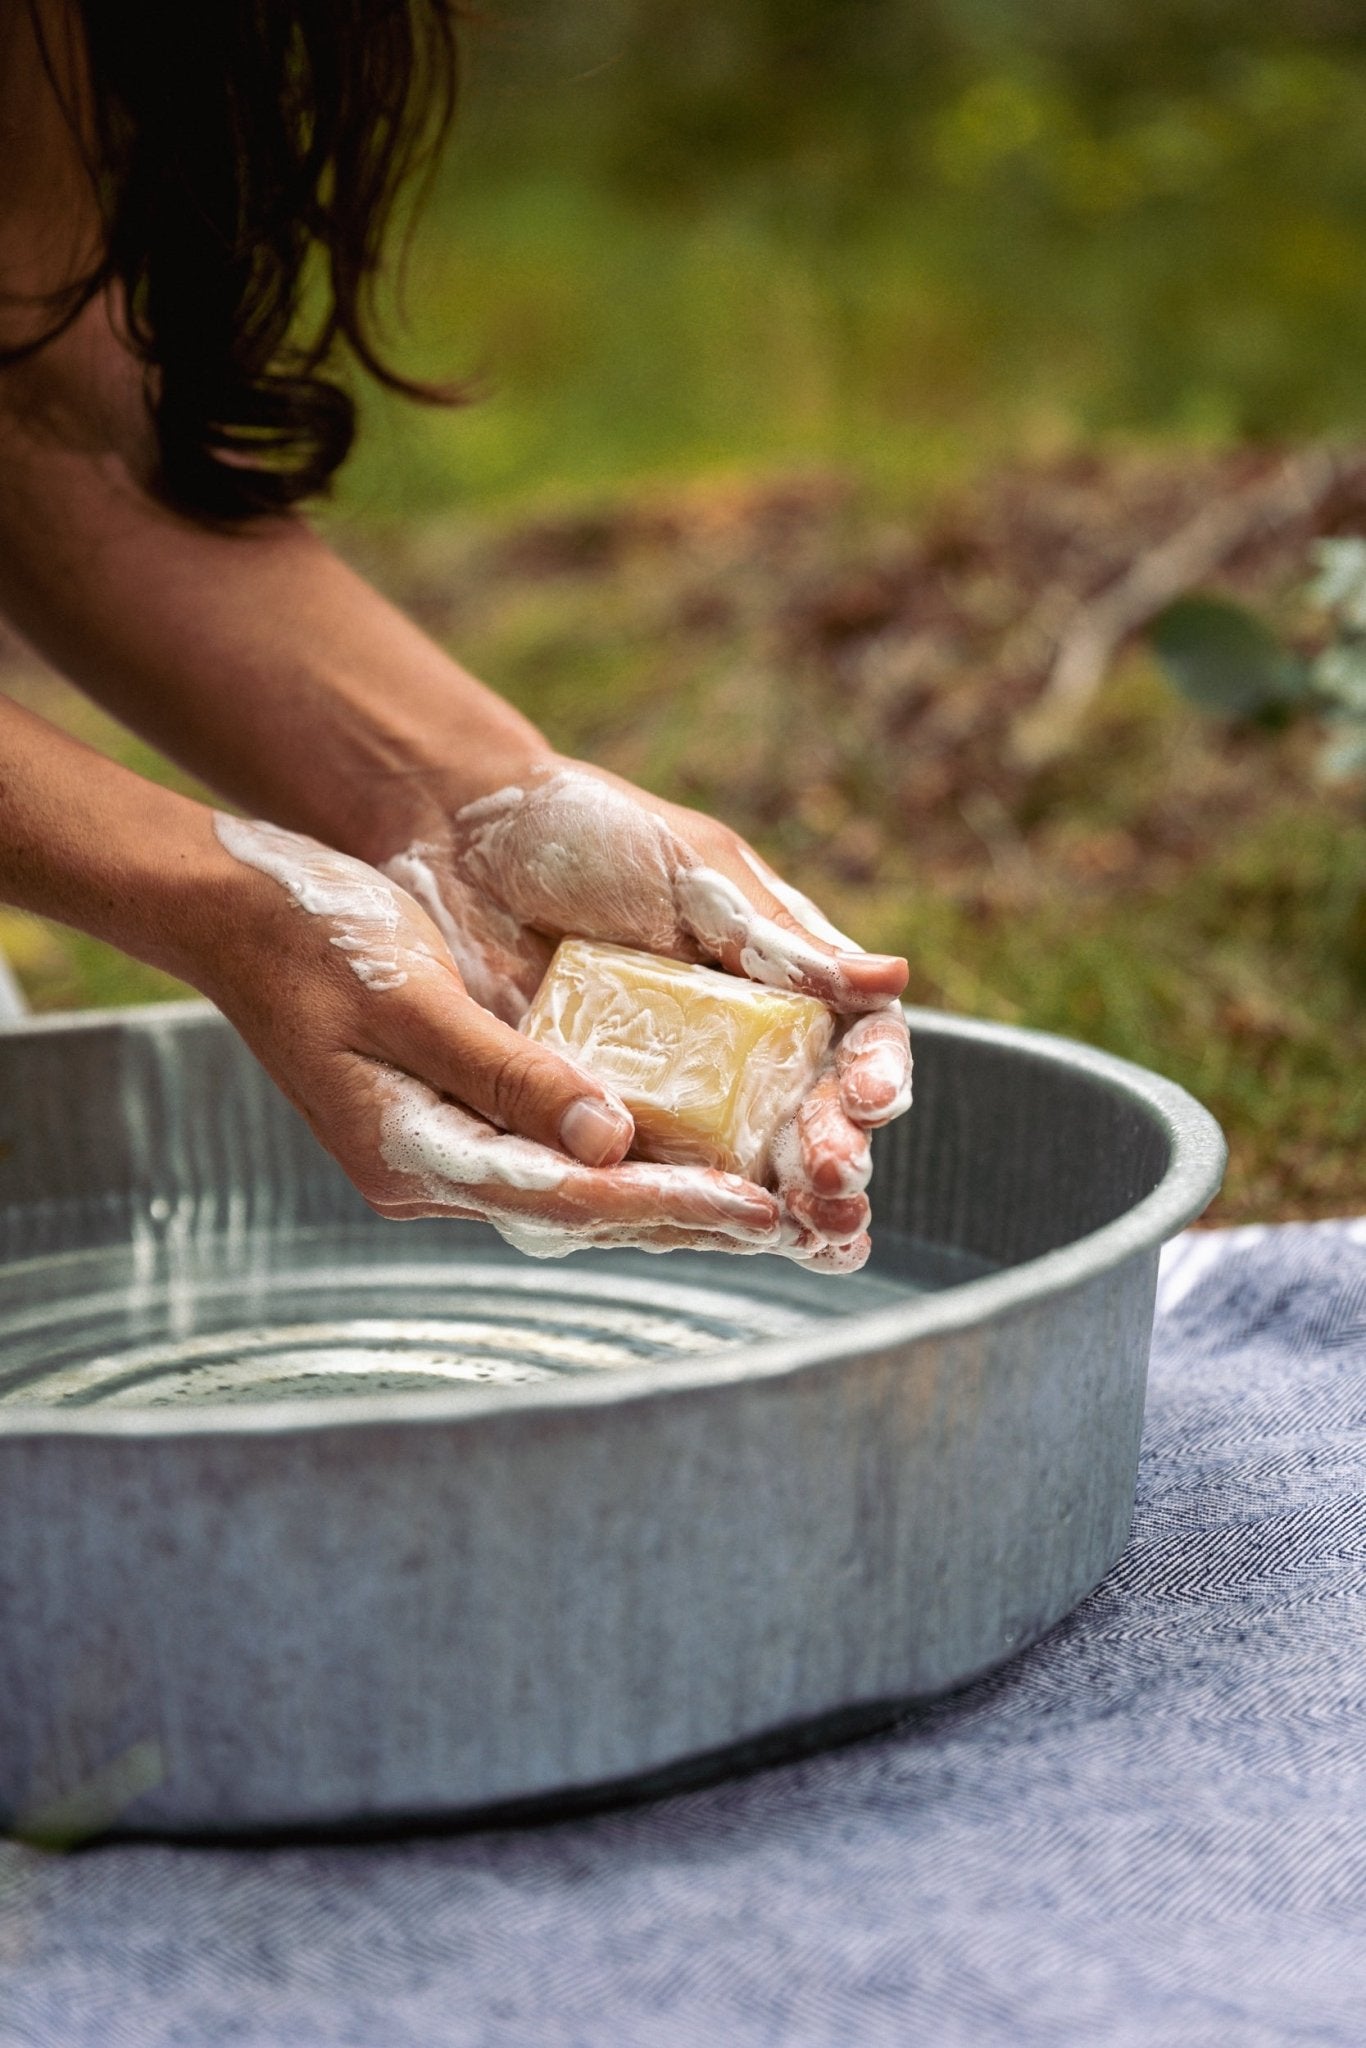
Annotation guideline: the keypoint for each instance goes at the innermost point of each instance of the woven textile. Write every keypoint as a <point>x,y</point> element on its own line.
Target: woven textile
<point>1149,1830</point>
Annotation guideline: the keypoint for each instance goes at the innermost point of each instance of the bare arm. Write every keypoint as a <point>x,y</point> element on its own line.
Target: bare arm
<point>254,657</point>
<point>85,841</point>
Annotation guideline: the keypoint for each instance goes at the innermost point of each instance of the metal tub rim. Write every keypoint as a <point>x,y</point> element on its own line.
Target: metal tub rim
<point>1197,1154</point>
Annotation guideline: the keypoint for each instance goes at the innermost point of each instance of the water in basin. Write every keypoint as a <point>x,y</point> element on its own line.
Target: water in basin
<point>177,1317</point>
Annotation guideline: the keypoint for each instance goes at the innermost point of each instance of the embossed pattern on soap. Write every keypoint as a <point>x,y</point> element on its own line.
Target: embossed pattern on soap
<point>709,1065</point>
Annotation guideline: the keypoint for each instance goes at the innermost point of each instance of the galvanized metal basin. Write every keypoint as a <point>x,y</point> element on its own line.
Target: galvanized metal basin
<point>308,1519</point>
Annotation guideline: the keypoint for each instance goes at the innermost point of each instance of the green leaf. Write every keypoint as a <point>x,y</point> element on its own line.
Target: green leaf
<point>1223,659</point>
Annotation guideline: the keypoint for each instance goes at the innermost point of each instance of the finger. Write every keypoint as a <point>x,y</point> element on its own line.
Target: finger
<point>835,1221</point>
<point>817,1257</point>
<point>821,1150</point>
<point>552,1230</point>
<point>438,1153</point>
<point>639,1196</point>
<point>518,1085</point>
<point>873,1062</point>
<point>838,1258</point>
<point>547,1235</point>
<point>735,917</point>
<point>702,1241</point>
<point>539,1244</point>
<point>620,1237</point>
<point>797,905</point>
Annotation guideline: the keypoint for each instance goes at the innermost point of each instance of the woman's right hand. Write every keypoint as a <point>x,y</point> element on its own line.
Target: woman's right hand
<point>347,993</point>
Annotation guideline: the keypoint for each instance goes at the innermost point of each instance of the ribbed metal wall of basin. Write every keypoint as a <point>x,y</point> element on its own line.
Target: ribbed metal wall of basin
<point>311,1520</point>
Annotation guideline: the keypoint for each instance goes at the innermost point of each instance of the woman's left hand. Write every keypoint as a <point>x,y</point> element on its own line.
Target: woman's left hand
<point>570,850</point>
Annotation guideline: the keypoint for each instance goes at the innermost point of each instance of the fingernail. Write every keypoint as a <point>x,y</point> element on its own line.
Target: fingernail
<point>874,1080</point>
<point>762,1218</point>
<point>864,966</point>
<point>763,1238</point>
<point>595,1131</point>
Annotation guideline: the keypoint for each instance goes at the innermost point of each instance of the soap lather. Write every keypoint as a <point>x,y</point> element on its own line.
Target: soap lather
<point>710,1066</point>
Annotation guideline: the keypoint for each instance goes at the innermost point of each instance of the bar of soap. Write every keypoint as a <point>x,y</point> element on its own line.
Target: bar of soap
<point>709,1066</point>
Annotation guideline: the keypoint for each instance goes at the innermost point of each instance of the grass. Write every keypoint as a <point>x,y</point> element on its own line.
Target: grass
<point>1243,979</point>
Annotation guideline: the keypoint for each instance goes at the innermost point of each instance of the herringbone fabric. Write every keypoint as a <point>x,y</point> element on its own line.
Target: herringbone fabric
<point>1149,1832</point>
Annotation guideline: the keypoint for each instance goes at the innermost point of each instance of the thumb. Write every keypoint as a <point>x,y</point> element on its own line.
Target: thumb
<point>734,913</point>
<point>458,1047</point>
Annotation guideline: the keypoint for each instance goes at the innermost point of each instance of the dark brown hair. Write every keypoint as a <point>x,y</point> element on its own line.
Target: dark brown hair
<point>247,155</point>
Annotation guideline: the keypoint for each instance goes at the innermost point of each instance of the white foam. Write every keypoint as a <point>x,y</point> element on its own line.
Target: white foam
<point>453,1161</point>
<point>363,906</point>
<point>801,907</point>
<point>447,1152</point>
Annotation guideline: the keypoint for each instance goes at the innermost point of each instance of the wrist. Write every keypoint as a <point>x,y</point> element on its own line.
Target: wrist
<point>411,800</point>
<point>191,901</point>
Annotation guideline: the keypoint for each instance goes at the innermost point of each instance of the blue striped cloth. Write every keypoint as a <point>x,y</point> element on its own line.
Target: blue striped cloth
<point>1149,1830</point>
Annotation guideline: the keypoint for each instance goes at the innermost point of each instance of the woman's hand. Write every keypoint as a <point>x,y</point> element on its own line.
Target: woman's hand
<point>570,849</point>
<point>347,993</point>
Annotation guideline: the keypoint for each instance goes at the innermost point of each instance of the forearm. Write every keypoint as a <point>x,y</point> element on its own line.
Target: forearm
<point>88,842</point>
<point>255,658</point>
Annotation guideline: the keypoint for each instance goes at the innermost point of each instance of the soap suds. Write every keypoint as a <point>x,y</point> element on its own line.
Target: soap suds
<point>545,1204</point>
<point>446,1151</point>
<point>799,906</point>
<point>363,908</point>
<point>573,854</point>
<point>501,962</point>
<point>721,918</point>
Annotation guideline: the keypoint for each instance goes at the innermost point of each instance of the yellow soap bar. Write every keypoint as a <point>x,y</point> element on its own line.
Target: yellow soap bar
<point>709,1066</point>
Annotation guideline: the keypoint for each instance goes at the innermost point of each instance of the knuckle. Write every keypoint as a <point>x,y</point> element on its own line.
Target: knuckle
<point>519,1085</point>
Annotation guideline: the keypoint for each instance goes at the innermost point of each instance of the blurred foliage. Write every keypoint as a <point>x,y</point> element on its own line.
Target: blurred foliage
<point>1227,661</point>
<point>1337,674</point>
<point>906,236</point>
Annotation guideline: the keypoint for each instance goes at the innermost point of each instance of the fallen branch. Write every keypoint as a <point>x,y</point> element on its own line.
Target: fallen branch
<point>1296,490</point>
